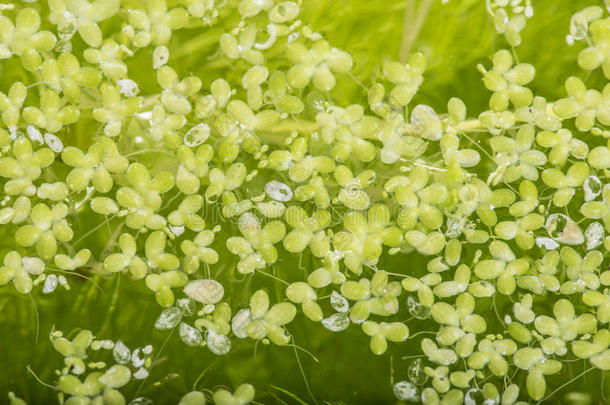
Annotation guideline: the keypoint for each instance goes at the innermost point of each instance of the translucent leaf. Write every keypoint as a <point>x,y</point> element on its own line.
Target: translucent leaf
<point>169,318</point>
<point>406,391</point>
<point>339,302</point>
<point>564,230</point>
<point>336,322</point>
<point>206,291</point>
<point>121,352</point>
<point>602,360</point>
<point>426,123</point>
<point>416,373</point>
<point>116,376</point>
<point>592,187</point>
<point>217,343</point>
<point>50,284</point>
<point>197,135</point>
<point>189,335</point>
<point>140,374</point>
<point>417,309</point>
<point>546,243</point>
<point>594,235</point>
<point>278,191</point>
<point>188,306</point>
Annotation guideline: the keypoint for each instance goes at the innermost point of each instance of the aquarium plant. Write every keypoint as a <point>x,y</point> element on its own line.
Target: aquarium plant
<point>330,202</point>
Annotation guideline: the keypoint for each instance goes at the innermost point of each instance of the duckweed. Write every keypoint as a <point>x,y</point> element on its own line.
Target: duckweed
<point>194,189</point>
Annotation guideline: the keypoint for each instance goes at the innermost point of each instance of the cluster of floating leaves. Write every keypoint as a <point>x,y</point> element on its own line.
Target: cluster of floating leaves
<point>96,370</point>
<point>89,373</point>
<point>508,210</point>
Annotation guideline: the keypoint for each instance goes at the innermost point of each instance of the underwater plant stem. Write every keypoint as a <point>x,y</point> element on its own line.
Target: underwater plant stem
<point>411,28</point>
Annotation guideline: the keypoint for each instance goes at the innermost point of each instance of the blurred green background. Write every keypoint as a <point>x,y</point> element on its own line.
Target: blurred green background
<point>455,37</point>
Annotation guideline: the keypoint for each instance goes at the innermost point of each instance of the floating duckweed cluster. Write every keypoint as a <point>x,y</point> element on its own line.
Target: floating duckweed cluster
<point>207,183</point>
